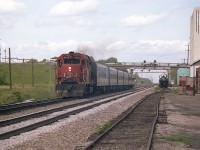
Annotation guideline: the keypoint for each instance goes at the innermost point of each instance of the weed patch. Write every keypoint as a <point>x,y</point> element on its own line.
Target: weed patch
<point>153,114</point>
<point>176,138</point>
<point>15,97</point>
<point>104,127</point>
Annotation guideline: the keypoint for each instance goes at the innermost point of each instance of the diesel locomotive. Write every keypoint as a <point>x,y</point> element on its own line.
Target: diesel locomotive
<point>77,75</point>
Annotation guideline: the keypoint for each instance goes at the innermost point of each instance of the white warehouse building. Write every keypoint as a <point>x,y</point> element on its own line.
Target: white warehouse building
<point>194,55</point>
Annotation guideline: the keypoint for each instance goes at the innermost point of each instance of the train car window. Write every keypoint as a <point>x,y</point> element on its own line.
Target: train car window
<point>73,60</point>
<point>59,63</point>
<point>67,60</point>
<point>76,60</point>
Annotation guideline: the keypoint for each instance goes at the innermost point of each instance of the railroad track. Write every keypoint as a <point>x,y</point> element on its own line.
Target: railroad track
<point>7,133</point>
<point>10,108</point>
<point>12,120</point>
<point>134,130</point>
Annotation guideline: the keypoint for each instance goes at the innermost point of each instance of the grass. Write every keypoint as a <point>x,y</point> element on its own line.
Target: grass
<point>176,138</point>
<point>44,87</point>
<point>104,127</point>
<point>19,94</point>
<point>22,73</point>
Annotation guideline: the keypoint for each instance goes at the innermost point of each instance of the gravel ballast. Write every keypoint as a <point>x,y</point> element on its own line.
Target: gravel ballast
<point>46,117</point>
<point>73,131</point>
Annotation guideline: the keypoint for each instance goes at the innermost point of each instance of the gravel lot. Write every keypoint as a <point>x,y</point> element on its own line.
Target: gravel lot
<point>72,131</point>
<point>183,119</point>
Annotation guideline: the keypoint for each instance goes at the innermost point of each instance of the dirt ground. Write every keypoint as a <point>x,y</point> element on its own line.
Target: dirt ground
<point>179,129</point>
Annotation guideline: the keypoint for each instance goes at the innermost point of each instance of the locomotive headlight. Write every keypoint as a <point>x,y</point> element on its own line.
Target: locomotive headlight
<point>70,68</point>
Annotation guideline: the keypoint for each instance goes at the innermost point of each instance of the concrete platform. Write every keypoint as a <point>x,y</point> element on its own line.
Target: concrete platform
<point>181,130</point>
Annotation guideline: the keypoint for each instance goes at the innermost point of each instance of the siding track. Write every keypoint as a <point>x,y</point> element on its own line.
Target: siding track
<point>134,130</point>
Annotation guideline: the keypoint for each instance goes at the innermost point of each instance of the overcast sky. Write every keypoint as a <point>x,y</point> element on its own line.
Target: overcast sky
<point>130,30</point>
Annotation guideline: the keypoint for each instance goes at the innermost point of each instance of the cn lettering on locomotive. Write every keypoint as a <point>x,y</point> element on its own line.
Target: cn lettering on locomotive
<point>77,75</point>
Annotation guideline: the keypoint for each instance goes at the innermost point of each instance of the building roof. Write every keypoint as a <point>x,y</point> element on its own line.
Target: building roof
<point>196,62</point>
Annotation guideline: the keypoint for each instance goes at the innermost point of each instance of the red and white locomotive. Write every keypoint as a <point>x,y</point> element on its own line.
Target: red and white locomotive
<point>77,75</point>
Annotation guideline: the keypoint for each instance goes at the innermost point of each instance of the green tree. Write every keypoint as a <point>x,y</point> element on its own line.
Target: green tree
<point>54,57</point>
<point>33,60</point>
<point>44,60</point>
<point>111,60</point>
<point>102,61</point>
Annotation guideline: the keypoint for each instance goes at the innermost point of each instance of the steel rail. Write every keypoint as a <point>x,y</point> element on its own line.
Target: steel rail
<point>8,108</point>
<point>153,126</point>
<point>53,119</point>
<point>40,113</point>
<point>45,112</point>
<point>137,104</point>
<point>26,105</point>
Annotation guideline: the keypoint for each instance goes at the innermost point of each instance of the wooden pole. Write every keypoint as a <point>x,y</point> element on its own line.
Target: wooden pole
<point>23,74</point>
<point>50,73</point>
<point>10,70</point>
<point>32,74</point>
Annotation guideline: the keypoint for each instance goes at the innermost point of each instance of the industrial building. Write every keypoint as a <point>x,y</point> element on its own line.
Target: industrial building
<point>194,57</point>
<point>194,42</point>
<point>191,85</point>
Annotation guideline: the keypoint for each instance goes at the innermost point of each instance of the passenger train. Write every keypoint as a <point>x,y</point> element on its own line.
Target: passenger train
<point>77,75</point>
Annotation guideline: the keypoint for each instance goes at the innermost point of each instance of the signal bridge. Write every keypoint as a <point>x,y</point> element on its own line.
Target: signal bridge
<point>148,65</point>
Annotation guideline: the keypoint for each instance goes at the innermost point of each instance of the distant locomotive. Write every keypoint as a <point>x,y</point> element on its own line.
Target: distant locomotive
<point>163,81</point>
<point>77,75</point>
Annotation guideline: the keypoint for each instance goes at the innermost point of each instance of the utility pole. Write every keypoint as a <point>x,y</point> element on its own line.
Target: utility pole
<point>50,73</point>
<point>184,60</point>
<point>188,45</point>
<point>32,74</point>
<point>5,54</point>
<point>10,70</point>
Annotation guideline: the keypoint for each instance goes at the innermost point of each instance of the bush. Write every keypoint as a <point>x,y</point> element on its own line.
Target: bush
<point>3,78</point>
<point>15,97</point>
